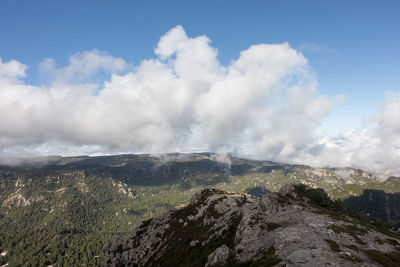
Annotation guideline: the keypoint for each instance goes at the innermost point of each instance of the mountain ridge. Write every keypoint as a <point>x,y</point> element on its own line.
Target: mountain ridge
<point>89,200</point>
<point>296,226</point>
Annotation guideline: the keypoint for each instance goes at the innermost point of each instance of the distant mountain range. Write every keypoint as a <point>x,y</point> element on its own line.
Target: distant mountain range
<point>61,210</point>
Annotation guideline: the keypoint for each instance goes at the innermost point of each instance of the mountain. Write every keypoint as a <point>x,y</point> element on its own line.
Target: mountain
<point>390,185</point>
<point>61,210</point>
<point>297,226</point>
<point>377,200</point>
<point>258,191</point>
<point>377,204</point>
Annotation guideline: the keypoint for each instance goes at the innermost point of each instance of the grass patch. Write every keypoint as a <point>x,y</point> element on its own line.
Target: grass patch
<point>392,242</point>
<point>353,247</point>
<point>272,226</point>
<point>352,230</point>
<point>283,200</point>
<point>353,258</point>
<point>386,259</point>
<point>268,259</point>
<point>332,214</point>
<point>333,245</point>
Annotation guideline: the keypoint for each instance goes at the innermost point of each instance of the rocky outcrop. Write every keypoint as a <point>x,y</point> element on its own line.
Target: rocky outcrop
<point>298,226</point>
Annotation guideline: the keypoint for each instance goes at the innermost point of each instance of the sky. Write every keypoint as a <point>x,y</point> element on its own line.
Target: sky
<point>309,82</point>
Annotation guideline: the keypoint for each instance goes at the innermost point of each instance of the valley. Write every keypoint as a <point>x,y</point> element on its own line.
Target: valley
<point>62,210</point>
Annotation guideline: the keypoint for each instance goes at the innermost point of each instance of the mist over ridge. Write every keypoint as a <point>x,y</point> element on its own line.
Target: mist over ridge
<point>264,105</point>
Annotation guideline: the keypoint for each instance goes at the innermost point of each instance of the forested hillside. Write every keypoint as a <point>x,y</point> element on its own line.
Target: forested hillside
<point>62,210</point>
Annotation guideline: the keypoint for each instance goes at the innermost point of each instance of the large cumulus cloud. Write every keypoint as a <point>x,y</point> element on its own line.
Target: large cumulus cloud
<point>264,104</point>
<point>376,148</point>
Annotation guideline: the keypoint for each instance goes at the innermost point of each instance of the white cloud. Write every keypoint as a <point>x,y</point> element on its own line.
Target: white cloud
<point>82,65</point>
<point>376,149</point>
<point>11,71</point>
<point>265,104</point>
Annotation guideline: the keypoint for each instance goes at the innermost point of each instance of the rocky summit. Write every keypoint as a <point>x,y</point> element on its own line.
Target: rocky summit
<point>297,226</point>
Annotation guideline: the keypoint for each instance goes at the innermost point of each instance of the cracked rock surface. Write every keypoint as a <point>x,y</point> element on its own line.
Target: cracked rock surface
<point>294,227</point>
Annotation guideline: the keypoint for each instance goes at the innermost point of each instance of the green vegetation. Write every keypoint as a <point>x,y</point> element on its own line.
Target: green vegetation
<point>258,191</point>
<point>391,185</point>
<point>66,217</point>
<point>386,259</point>
<point>64,211</point>
<point>268,259</point>
<point>353,230</point>
<point>333,245</point>
<point>182,253</point>
<point>272,226</point>
<point>317,196</point>
<point>377,204</point>
<point>337,210</point>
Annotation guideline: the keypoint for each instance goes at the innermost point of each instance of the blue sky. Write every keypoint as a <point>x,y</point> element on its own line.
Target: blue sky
<point>351,45</point>
<point>352,48</point>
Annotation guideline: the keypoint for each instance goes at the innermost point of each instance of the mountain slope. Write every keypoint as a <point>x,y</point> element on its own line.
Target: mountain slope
<point>61,210</point>
<point>296,226</point>
<point>377,204</point>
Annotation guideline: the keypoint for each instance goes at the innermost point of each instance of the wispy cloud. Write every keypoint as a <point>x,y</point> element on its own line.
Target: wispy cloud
<point>316,48</point>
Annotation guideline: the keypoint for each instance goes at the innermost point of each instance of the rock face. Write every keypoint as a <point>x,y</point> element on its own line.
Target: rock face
<point>298,226</point>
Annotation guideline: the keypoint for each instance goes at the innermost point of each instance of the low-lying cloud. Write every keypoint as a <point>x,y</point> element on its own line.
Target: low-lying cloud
<point>264,105</point>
